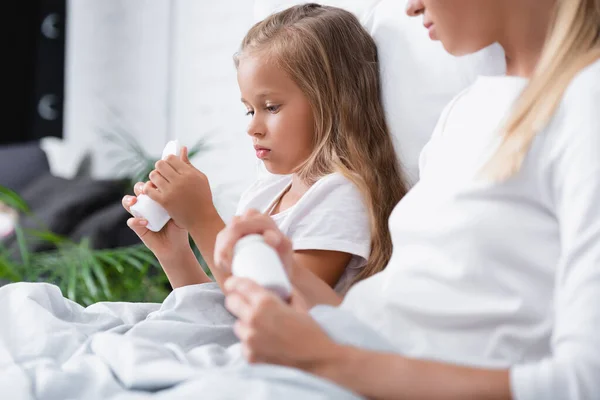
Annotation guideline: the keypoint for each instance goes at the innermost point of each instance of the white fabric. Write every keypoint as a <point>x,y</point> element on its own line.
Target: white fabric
<point>54,349</point>
<point>419,78</point>
<point>331,216</point>
<point>501,275</point>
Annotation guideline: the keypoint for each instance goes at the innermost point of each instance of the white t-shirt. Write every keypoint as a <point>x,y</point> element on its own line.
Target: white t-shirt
<point>502,275</point>
<point>331,215</point>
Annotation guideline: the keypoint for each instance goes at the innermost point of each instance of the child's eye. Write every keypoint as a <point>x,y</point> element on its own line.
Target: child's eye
<point>272,109</point>
<point>249,112</point>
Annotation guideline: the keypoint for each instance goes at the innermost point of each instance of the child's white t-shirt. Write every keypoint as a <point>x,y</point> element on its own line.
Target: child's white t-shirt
<point>331,216</point>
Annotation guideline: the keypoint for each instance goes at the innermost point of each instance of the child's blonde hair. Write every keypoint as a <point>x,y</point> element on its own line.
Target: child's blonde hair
<point>573,44</point>
<point>334,61</point>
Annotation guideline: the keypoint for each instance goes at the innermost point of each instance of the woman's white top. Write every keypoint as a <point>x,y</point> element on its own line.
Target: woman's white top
<point>501,275</point>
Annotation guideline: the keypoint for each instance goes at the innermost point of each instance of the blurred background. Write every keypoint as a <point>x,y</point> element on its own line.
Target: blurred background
<point>95,90</point>
<point>155,70</point>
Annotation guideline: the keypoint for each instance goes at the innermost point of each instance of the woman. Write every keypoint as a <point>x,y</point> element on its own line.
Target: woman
<point>493,288</point>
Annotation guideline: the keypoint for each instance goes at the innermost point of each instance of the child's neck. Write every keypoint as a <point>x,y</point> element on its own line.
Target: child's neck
<point>291,196</point>
<point>298,187</point>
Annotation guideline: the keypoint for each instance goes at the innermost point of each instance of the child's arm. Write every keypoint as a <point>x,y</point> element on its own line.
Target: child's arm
<point>317,289</point>
<point>183,269</point>
<point>328,266</point>
<point>170,246</point>
<point>185,193</point>
<point>204,233</point>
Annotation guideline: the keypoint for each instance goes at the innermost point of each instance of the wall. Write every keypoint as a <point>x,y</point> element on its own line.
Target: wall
<point>158,69</point>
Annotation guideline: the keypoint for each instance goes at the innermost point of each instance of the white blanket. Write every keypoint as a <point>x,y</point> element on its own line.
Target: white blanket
<point>52,348</point>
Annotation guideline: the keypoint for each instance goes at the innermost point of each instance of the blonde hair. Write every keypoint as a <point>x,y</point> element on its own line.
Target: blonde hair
<point>334,61</point>
<point>573,44</point>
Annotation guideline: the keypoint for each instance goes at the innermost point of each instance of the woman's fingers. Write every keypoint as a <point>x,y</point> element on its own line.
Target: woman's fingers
<point>252,222</point>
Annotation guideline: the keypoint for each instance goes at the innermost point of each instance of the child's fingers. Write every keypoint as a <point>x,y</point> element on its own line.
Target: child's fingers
<point>180,163</point>
<point>138,225</point>
<point>149,188</point>
<point>184,155</point>
<point>138,188</point>
<point>127,202</point>
<point>166,170</point>
<point>159,181</point>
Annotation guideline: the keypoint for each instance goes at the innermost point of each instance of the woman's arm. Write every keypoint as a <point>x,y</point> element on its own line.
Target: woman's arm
<point>391,376</point>
<point>299,265</point>
<point>273,332</point>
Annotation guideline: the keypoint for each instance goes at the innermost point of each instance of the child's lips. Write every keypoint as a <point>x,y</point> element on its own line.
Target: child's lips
<point>262,152</point>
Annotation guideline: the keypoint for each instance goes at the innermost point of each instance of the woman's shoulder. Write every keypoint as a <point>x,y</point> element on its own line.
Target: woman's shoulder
<point>572,138</point>
<point>580,106</point>
<point>584,89</point>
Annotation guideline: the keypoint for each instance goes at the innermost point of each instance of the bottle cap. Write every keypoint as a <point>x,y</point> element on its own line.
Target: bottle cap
<point>171,147</point>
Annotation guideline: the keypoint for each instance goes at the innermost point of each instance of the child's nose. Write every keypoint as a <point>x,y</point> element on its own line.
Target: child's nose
<point>255,128</point>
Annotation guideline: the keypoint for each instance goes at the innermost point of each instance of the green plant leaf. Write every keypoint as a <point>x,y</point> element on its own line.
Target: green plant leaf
<point>22,243</point>
<point>128,258</point>
<point>100,276</point>
<point>13,200</point>
<point>113,261</point>
<point>46,236</point>
<point>8,270</point>
<point>145,256</point>
<point>86,274</point>
<point>72,283</point>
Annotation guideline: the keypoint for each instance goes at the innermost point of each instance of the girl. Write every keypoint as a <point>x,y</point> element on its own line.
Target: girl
<point>493,289</point>
<point>317,124</point>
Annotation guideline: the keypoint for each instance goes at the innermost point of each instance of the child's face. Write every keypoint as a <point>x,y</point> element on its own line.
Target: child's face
<point>463,26</point>
<point>281,124</point>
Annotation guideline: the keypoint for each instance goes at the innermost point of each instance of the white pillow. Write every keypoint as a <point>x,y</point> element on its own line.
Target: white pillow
<point>419,77</point>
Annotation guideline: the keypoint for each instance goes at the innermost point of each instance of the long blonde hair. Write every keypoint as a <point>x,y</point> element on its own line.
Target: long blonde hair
<point>573,44</point>
<point>334,61</point>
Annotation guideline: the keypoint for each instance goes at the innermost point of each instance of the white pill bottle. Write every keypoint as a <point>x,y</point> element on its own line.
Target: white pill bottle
<point>147,208</point>
<point>256,260</point>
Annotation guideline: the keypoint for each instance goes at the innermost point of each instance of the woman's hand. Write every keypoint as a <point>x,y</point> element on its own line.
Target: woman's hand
<point>308,289</point>
<point>181,189</point>
<point>252,222</point>
<point>273,332</point>
<point>171,239</point>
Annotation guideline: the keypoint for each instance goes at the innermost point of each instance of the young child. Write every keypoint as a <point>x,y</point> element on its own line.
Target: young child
<point>309,78</point>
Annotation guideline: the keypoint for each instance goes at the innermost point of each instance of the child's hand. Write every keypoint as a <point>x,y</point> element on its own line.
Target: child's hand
<point>181,189</point>
<point>170,240</point>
